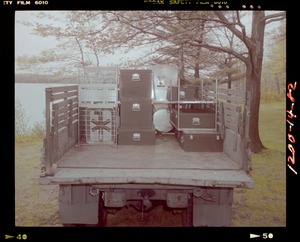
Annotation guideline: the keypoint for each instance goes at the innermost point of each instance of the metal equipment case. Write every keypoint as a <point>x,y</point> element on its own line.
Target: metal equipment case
<point>135,84</point>
<point>197,141</point>
<point>136,136</point>
<point>193,118</point>
<point>196,108</point>
<point>136,113</point>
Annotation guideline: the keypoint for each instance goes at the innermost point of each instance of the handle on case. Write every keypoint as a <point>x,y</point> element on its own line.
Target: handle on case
<point>182,94</point>
<point>196,121</point>
<point>136,137</point>
<point>135,77</point>
<point>136,107</point>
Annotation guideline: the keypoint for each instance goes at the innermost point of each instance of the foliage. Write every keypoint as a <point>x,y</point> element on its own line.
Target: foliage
<point>37,133</point>
<point>274,66</point>
<point>21,120</point>
<point>79,39</point>
<point>270,97</point>
<point>23,134</point>
<point>166,37</point>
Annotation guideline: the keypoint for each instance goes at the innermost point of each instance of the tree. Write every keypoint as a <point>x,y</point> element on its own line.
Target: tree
<point>166,32</point>
<point>79,37</point>
<point>274,68</point>
<point>252,58</point>
<point>253,62</point>
<point>21,120</point>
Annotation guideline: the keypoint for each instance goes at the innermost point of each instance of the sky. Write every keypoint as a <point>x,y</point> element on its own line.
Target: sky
<point>25,42</point>
<point>28,44</point>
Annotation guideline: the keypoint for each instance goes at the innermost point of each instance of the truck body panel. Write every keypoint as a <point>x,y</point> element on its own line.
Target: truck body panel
<point>163,163</point>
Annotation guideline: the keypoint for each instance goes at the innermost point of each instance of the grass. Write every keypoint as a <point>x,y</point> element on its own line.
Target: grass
<point>35,205</point>
<point>264,205</point>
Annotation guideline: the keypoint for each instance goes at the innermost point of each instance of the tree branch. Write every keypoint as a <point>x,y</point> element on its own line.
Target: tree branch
<point>274,17</point>
<point>221,49</point>
<point>231,26</point>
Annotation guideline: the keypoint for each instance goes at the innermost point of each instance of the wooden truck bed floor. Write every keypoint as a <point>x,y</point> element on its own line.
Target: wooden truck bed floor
<point>163,163</point>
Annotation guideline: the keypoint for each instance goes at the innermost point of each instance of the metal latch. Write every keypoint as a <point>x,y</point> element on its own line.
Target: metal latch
<point>136,107</point>
<point>181,139</point>
<point>182,94</point>
<point>94,191</point>
<point>135,77</point>
<point>136,137</point>
<point>196,121</point>
<point>198,192</point>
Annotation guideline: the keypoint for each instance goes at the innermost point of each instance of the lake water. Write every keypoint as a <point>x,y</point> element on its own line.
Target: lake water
<point>32,98</point>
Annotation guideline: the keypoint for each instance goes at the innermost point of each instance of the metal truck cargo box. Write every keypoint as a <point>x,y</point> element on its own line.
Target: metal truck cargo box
<point>193,141</point>
<point>135,84</point>
<point>193,118</point>
<point>136,136</point>
<point>136,113</point>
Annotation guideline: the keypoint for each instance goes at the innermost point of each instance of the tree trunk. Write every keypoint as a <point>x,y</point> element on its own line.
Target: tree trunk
<point>181,63</point>
<point>197,71</point>
<point>229,75</point>
<point>277,85</point>
<point>253,78</point>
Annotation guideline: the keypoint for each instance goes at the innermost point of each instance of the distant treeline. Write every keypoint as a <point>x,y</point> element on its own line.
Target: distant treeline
<point>30,78</point>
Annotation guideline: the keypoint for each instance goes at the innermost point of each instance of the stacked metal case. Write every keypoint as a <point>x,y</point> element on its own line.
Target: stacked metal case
<point>98,105</point>
<point>194,116</point>
<point>136,112</point>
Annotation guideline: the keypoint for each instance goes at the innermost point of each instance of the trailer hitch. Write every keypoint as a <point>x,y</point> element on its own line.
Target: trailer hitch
<point>145,204</point>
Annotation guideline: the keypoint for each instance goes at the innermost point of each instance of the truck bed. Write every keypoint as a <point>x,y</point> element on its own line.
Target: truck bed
<point>163,163</point>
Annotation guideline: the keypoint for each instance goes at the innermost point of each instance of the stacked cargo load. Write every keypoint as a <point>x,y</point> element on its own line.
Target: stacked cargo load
<point>194,116</point>
<point>136,112</point>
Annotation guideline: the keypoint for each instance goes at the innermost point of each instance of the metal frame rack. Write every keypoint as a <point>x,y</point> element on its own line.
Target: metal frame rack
<point>207,97</point>
<point>98,104</point>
